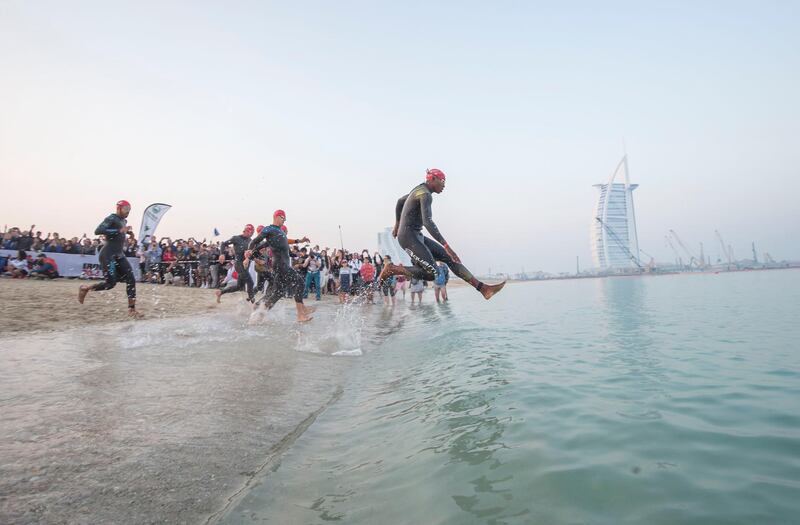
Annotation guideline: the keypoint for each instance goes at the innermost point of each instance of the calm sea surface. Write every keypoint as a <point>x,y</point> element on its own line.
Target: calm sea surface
<point>625,400</point>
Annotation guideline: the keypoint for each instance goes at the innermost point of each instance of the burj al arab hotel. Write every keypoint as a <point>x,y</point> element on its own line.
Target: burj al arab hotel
<point>615,245</point>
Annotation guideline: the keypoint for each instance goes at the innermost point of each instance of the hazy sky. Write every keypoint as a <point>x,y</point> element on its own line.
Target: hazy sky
<point>332,110</point>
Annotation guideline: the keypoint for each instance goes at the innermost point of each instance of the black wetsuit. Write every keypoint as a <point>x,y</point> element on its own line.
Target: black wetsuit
<point>265,274</point>
<point>413,211</point>
<point>244,280</point>
<point>285,279</point>
<point>112,258</point>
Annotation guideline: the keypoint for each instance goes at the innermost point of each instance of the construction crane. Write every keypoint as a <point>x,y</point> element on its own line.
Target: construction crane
<point>678,259</point>
<point>692,258</point>
<point>727,252</point>
<point>619,243</point>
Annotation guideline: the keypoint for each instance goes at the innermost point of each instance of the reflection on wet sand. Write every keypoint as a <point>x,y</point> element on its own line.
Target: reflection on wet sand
<point>157,421</point>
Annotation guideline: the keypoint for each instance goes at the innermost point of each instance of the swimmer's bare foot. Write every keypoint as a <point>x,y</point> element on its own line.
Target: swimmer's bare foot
<point>385,272</point>
<point>82,291</point>
<point>133,314</point>
<point>393,269</point>
<point>310,309</point>
<point>218,293</point>
<point>489,290</point>
<point>302,313</point>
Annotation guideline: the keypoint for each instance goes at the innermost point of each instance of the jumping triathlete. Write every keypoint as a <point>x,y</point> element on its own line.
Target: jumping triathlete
<point>112,259</point>
<point>413,211</point>
<point>285,278</point>
<point>243,280</point>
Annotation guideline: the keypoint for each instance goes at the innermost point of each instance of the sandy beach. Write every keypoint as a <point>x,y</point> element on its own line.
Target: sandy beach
<point>161,420</point>
<point>28,304</point>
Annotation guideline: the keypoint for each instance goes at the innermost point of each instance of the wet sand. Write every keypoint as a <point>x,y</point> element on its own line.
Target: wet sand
<point>161,420</point>
<point>28,304</point>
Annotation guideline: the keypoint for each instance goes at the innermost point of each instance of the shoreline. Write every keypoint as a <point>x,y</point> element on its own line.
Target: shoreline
<point>28,305</point>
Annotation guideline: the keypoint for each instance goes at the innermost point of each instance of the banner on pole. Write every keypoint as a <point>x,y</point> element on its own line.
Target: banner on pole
<point>152,216</point>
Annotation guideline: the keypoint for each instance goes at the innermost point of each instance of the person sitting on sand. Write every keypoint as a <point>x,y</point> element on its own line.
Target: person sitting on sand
<point>19,267</point>
<point>44,268</point>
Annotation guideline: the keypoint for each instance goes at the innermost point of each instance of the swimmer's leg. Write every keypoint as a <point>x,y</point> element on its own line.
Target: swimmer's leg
<point>440,254</point>
<point>423,263</point>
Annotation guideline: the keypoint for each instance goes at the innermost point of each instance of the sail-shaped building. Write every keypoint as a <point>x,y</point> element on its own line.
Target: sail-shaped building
<point>388,245</point>
<point>615,245</point>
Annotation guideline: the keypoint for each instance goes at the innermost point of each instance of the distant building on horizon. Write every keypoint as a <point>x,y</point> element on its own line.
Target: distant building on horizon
<point>615,244</point>
<point>388,245</point>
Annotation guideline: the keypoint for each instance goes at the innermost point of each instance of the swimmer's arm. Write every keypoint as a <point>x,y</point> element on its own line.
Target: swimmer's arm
<point>398,209</point>
<point>427,219</point>
<point>257,240</point>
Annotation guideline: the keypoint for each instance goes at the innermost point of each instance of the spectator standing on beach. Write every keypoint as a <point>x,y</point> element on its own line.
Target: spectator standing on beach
<point>87,248</point>
<point>333,273</point>
<point>345,280</point>
<point>377,260</point>
<point>153,261</point>
<point>355,272</point>
<point>368,277</point>
<point>324,270</point>
<point>203,264</point>
<point>214,265</point>
<point>401,285</point>
<point>112,259</point>
<point>440,282</point>
<point>25,240</point>
<point>312,268</point>
<point>54,244</point>
<point>417,287</point>
<point>387,286</point>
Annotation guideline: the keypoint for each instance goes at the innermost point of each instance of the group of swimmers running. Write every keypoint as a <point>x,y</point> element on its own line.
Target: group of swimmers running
<point>412,213</point>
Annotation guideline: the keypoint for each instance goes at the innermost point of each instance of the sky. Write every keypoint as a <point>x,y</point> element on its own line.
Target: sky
<point>333,110</point>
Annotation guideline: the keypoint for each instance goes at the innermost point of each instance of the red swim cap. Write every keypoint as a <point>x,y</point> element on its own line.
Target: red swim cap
<point>259,228</point>
<point>284,229</point>
<point>123,203</point>
<point>434,173</point>
<point>280,213</point>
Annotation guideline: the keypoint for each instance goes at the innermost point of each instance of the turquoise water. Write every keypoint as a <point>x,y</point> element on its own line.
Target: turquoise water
<point>626,400</point>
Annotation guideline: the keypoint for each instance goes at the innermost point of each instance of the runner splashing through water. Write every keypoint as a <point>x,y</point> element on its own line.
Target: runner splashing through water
<point>285,278</point>
<point>413,211</point>
<point>243,280</point>
<point>112,259</point>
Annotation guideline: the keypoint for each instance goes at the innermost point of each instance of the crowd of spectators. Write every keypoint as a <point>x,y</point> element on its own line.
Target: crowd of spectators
<point>209,264</point>
<point>31,240</point>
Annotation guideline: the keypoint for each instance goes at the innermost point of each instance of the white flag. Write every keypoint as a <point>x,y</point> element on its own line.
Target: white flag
<point>152,216</point>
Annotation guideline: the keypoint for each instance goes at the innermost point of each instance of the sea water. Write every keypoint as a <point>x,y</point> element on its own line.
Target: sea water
<point>672,399</point>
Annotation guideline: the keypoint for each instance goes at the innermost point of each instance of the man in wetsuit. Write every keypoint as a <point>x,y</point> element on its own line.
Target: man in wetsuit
<point>413,211</point>
<point>262,262</point>
<point>112,259</point>
<point>244,280</point>
<point>284,277</point>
